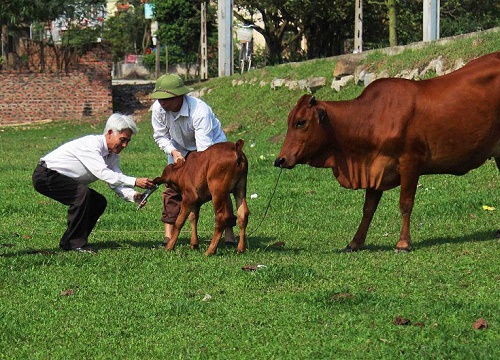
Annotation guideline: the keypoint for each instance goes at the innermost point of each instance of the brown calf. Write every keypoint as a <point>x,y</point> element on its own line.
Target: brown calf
<point>212,174</point>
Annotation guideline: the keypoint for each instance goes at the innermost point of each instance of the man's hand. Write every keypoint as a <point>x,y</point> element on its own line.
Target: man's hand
<point>178,158</point>
<point>145,183</point>
<point>138,197</point>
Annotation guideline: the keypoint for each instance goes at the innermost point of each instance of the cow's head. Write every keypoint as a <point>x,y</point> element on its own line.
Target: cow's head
<point>306,135</point>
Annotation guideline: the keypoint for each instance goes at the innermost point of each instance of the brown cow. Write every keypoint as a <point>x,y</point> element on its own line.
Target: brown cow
<point>397,130</point>
<point>212,174</point>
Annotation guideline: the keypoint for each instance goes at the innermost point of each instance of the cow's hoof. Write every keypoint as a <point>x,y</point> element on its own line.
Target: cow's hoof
<point>195,247</point>
<point>349,249</point>
<point>401,250</point>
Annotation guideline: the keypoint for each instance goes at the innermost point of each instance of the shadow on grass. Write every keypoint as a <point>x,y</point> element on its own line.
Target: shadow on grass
<point>466,238</point>
<point>253,244</point>
<point>44,252</point>
<point>57,251</point>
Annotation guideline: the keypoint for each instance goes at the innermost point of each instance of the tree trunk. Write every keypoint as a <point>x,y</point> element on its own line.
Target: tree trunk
<point>391,7</point>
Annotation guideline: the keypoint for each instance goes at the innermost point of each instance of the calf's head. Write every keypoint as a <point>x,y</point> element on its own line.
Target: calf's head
<point>306,134</point>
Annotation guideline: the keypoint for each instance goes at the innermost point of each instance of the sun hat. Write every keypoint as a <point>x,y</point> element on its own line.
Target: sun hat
<point>168,86</point>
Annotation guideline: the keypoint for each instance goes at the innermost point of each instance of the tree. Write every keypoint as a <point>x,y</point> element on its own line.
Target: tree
<point>180,30</point>
<point>456,17</point>
<point>464,16</point>
<point>279,26</point>
<point>127,31</point>
<point>20,14</point>
<point>389,15</point>
<point>326,24</point>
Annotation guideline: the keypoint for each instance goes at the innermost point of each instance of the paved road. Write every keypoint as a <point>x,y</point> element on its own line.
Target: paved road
<point>131,82</point>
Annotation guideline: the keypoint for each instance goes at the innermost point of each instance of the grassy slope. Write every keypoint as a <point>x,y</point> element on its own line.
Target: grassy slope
<point>310,300</point>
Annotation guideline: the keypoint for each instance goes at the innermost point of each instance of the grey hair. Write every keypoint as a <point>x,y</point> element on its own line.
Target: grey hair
<point>119,122</point>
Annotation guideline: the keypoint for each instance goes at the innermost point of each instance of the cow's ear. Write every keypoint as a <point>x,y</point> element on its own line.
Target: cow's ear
<point>312,101</point>
<point>322,115</point>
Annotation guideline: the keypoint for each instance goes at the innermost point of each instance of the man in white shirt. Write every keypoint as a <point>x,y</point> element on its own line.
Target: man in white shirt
<point>181,124</point>
<point>64,175</point>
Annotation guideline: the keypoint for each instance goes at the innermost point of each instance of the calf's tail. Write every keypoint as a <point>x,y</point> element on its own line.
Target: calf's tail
<point>239,152</point>
<point>159,180</point>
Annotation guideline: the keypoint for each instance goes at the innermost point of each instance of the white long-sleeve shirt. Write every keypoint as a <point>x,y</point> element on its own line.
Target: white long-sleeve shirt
<point>193,128</point>
<point>88,159</point>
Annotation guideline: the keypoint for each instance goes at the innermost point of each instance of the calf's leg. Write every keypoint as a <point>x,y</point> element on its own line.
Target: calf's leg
<point>222,216</point>
<point>179,223</point>
<point>242,214</point>
<point>229,232</point>
<point>193,219</point>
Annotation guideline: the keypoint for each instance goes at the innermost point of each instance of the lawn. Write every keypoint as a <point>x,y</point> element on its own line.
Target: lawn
<point>295,294</point>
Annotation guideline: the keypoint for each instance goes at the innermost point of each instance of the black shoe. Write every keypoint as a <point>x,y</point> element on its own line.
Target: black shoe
<point>161,245</point>
<point>85,249</point>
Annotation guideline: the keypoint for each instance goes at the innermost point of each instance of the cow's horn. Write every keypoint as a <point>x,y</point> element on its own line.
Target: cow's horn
<point>312,101</point>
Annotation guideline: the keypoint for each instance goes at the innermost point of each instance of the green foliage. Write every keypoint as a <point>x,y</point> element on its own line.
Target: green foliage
<point>22,12</point>
<point>81,23</point>
<point>179,28</point>
<point>327,24</point>
<point>127,32</point>
<point>307,299</point>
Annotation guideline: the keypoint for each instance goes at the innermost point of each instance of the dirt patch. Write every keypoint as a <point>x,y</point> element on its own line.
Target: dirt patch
<point>132,99</point>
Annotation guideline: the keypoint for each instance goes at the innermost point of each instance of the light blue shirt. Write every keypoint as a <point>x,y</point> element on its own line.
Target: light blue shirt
<point>193,128</point>
<point>88,159</point>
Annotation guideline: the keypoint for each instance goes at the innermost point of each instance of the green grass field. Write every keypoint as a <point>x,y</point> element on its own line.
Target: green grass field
<point>307,299</point>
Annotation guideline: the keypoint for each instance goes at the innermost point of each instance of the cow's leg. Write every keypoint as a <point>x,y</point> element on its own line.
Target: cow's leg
<point>372,199</point>
<point>193,219</point>
<point>409,182</point>
<point>242,213</point>
<point>222,216</point>
<point>179,223</point>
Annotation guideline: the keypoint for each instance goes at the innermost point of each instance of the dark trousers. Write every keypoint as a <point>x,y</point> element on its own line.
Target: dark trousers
<point>85,205</point>
<point>171,205</point>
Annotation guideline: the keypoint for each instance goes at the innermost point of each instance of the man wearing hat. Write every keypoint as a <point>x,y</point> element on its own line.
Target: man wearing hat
<point>181,124</point>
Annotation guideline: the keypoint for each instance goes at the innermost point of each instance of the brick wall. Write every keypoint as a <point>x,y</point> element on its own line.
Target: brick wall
<point>84,93</point>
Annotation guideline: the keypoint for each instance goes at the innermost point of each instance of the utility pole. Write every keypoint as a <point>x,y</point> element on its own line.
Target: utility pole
<point>358,27</point>
<point>156,44</point>
<point>204,41</point>
<point>431,20</point>
<point>157,58</point>
<point>225,37</point>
